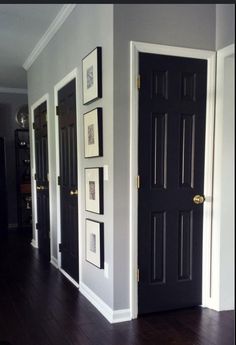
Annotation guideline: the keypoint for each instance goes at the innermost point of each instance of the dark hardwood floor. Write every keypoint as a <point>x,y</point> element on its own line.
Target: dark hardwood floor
<point>38,306</point>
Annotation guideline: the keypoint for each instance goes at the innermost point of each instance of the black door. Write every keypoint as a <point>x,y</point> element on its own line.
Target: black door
<point>42,185</point>
<point>172,106</point>
<point>68,179</point>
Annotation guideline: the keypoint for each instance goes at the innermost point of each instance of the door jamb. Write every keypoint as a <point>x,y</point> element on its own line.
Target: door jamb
<point>135,48</point>
<point>44,98</point>
<point>70,76</point>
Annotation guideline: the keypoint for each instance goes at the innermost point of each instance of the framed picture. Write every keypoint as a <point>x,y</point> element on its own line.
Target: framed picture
<point>92,75</point>
<point>93,133</point>
<point>94,190</point>
<point>95,243</point>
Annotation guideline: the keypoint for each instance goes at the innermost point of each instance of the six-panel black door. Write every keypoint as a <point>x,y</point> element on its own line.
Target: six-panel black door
<point>172,107</point>
<point>42,185</point>
<point>68,179</point>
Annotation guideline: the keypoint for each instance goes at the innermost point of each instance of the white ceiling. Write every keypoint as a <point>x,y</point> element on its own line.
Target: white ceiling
<point>21,27</point>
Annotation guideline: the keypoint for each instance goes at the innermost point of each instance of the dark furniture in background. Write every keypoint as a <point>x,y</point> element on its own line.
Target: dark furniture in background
<point>23,180</point>
<point>3,190</point>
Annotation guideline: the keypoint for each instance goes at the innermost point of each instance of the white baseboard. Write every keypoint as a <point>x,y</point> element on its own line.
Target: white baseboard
<point>54,262</point>
<point>69,278</point>
<point>113,316</point>
<point>34,243</point>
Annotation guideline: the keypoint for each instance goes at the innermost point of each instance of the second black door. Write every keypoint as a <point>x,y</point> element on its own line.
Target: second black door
<point>42,186</point>
<point>68,179</point>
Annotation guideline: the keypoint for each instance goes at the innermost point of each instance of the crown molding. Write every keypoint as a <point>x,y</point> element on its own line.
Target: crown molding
<point>13,90</point>
<point>48,35</point>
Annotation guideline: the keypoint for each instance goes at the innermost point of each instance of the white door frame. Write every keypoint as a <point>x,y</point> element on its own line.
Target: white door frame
<point>217,304</point>
<point>135,48</point>
<point>72,75</point>
<point>44,98</point>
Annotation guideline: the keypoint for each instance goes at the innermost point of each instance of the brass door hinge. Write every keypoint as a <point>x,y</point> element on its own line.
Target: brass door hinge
<point>138,182</point>
<point>138,275</point>
<point>138,82</point>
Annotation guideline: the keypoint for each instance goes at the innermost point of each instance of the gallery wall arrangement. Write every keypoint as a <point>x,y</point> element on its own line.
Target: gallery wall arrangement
<point>93,147</point>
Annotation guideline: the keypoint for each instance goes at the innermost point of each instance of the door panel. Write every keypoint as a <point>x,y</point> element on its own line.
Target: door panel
<point>172,105</point>
<point>42,185</point>
<point>68,177</point>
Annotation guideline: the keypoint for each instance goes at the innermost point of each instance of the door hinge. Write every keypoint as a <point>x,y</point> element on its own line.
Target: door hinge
<point>60,247</point>
<point>138,275</point>
<point>58,110</point>
<point>34,125</point>
<point>59,180</point>
<point>35,176</point>
<point>138,182</point>
<point>48,177</point>
<point>138,82</point>
<point>37,226</point>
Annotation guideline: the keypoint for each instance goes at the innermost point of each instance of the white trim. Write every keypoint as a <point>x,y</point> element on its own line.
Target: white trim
<point>113,316</point>
<point>72,75</point>
<point>135,48</point>
<point>49,34</point>
<point>222,54</point>
<point>13,90</point>
<point>69,278</point>
<point>34,243</point>
<point>44,98</point>
<point>54,262</point>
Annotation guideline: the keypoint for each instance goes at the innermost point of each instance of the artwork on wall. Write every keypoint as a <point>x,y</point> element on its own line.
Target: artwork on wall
<point>93,146</point>
<point>94,190</point>
<point>95,243</point>
<point>92,75</point>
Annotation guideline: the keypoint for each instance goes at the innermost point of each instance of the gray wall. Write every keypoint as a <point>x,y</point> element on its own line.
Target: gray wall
<point>88,26</point>
<point>9,104</point>
<point>225,25</point>
<point>191,26</point>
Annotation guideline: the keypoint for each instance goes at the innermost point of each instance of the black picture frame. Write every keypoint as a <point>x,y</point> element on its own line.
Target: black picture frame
<point>93,133</point>
<point>92,76</point>
<point>94,246</point>
<point>94,190</point>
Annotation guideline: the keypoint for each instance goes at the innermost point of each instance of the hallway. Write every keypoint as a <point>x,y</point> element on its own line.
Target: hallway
<point>38,306</point>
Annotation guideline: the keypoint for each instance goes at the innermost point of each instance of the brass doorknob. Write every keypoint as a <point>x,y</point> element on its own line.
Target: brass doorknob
<point>74,192</point>
<point>40,187</point>
<point>198,199</point>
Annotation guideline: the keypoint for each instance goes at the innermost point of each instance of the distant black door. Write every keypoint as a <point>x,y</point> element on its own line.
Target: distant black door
<point>68,180</point>
<point>3,189</point>
<point>42,185</point>
<point>172,106</point>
